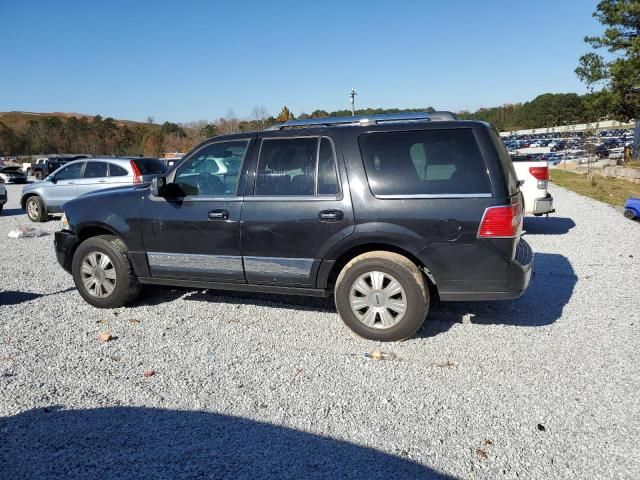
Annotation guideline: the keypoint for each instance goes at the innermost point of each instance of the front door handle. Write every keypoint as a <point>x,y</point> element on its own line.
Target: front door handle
<point>331,215</point>
<point>102,181</point>
<point>218,214</point>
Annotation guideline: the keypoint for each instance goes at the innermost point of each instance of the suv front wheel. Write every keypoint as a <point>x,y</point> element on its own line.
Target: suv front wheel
<point>36,210</point>
<point>103,273</point>
<point>382,296</point>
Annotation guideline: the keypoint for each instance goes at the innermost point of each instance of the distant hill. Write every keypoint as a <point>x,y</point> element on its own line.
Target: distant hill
<point>19,120</point>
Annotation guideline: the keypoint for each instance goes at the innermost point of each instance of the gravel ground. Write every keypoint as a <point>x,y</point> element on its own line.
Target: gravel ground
<point>250,386</point>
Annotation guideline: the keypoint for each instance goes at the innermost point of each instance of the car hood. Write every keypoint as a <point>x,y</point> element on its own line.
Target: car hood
<point>33,187</point>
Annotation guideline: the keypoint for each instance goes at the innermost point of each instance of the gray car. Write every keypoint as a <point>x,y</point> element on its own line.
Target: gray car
<point>82,176</point>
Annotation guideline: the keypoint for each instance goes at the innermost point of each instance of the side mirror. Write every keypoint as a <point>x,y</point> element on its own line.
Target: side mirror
<point>52,179</point>
<point>158,185</point>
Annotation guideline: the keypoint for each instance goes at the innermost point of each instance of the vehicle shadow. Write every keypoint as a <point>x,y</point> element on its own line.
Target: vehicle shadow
<point>12,212</point>
<point>128,442</point>
<point>542,304</point>
<point>548,226</point>
<point>292,302</point>
<point>16,297</point>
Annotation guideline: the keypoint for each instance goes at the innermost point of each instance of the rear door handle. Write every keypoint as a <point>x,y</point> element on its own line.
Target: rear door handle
<point>218,214</point>
<point>331,215</point>
<point>102,181</point>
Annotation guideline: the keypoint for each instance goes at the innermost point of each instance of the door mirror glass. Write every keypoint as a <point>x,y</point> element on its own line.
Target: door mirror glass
<point>158,185</point>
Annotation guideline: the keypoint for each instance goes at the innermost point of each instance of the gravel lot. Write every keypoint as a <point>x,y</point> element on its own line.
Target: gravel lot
<point>250,386</point>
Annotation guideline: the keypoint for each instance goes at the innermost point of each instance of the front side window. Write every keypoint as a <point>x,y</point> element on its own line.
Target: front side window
<point>70,172</point>
<point>213,170</point>
<point>95,170</point>
<point>424,162</point>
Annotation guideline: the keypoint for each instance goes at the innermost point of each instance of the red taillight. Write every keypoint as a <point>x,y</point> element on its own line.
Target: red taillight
<point>540,173</point>
<point>501,222</point>
<point>1,180</point>
<point>137,176</point>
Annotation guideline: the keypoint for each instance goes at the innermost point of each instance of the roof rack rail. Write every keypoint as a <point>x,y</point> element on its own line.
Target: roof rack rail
<point>365,120</point>
<point>443,116</point>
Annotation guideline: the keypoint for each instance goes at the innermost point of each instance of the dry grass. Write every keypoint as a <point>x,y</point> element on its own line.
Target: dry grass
<point>613,191</point>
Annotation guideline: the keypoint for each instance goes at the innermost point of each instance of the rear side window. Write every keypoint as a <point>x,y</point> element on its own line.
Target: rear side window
<point>297,167</point>
<point>507,163</point>
<point>117,171</point>
<point>424,162</point>
<point>287,167</point>
<point>149,166</point>
<point>95,170</point>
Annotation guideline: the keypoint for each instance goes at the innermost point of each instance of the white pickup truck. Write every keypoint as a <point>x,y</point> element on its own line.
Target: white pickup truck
<point>534,178</point>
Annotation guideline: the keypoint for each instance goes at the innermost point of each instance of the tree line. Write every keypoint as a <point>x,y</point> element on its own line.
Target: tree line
<point>106,136</point>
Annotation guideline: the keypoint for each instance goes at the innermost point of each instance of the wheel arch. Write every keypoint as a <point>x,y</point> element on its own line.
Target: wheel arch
<point>329,277</point>
<point>93,230</point>
<point>27,196</point>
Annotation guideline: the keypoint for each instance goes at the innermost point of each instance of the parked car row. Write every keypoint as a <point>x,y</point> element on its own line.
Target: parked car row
<point>606,144</point>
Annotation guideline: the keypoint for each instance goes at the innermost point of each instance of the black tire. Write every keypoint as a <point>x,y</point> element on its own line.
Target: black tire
<point>630,214</point>
<point>126,287</point>
<point>36,209</point>
<point>415,293</point>
<point>1,207</point>
<point>39,175</point>
<point>28,173</point>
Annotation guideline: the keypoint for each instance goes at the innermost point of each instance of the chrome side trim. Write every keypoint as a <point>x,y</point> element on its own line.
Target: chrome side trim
<point>436,195</point>
<point>197,198</point>
<point>291,198</point>
<point>186,262</point>
<point>278,267</point>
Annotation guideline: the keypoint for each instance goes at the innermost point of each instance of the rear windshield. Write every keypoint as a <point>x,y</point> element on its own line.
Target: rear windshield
<point>149,166</point>
<point>424,162</point>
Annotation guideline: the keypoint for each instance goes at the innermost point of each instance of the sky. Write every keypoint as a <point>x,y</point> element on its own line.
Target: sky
<point>185,60</point>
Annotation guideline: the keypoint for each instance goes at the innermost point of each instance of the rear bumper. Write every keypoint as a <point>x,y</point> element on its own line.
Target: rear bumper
<point>512,280</point>
<point>543,205</point>
<point>65,244</point>
<point>3,197</point>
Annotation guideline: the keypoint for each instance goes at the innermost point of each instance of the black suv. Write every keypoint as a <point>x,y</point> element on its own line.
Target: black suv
<point>383,211</point>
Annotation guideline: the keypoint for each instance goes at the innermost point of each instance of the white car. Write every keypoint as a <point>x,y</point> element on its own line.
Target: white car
<point>534,178</point>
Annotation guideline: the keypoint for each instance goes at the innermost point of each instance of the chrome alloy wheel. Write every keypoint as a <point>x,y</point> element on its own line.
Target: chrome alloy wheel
<point>33,210</point>
<point>378,300</point>
<point>98,275</point>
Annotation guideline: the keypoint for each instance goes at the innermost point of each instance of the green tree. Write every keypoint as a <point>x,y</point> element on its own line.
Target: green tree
<point>209,130</point>
<point>285,115</point>
<point>619,71</point>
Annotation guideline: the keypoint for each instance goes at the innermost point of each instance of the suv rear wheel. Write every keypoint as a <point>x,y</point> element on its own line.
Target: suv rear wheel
<point>36,211</point>
<point>103,273</point>
<point>382,296</point>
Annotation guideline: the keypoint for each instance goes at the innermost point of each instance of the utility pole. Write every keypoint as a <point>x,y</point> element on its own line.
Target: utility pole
<point>352,99</point>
